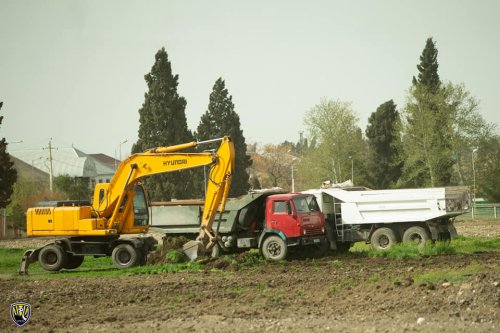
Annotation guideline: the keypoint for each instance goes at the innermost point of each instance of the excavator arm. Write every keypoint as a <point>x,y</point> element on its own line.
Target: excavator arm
<point>217,189</point>
<point>109,200</point>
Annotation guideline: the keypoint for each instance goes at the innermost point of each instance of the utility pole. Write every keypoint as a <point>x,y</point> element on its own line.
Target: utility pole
<point>474,184</point>
<point>51,174</point>
<point>352,170</point>
<point>293,178</point>
<point>5,223</point>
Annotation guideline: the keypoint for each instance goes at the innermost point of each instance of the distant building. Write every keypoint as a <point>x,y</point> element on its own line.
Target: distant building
<point>34,164</point>
<point>106,167</point>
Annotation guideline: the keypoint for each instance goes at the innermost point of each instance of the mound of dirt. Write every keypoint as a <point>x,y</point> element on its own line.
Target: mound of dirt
<point>169,251</point>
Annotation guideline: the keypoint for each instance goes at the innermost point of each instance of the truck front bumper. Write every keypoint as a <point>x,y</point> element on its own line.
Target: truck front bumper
<point>310,240</point>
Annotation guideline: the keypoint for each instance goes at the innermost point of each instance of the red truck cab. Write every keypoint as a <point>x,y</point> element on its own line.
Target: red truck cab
<point>292,219</point>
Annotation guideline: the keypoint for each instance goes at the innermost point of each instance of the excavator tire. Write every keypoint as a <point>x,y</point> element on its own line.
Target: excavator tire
<point>73,261</point>
<point>52,258</point>
<point>125,256</point>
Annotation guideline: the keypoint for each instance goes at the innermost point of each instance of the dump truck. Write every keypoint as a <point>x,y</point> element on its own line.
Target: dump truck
<point>271,220</point>
<point>386,217</point>
<point>120,208</point>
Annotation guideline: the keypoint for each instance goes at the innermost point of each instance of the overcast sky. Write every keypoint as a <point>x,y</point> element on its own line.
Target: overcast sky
<point>74,70</point>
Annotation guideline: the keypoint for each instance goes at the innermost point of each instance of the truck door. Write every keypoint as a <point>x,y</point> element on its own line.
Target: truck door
<point>282,218</point>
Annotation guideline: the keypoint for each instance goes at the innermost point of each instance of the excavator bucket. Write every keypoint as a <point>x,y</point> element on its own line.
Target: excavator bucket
<point>193,249</point>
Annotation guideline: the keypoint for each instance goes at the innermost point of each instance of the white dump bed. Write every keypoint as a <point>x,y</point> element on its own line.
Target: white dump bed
<point>390,206</point>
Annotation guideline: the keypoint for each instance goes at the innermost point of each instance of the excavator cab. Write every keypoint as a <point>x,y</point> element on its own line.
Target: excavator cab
<point>140,205</point>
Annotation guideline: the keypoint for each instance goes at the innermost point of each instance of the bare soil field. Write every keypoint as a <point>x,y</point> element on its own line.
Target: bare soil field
<point>479,228</point>
<point>350,293</point>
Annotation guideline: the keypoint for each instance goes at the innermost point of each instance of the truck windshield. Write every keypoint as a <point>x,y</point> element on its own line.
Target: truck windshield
<point>306,204</point>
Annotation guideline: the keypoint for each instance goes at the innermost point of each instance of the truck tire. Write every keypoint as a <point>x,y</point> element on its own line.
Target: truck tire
<point>52,258</point>
<point>416,235</point>
<point>73,261</point>
<point>273,247</point>
<point>125,256</point>
<point>383,239</point>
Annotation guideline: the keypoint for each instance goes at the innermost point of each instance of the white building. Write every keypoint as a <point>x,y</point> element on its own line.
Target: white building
<point>65,161</point>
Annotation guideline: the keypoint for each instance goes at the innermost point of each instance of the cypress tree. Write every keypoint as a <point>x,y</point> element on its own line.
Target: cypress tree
<point>384,146</point>
<point>428,68</point>
<point>8,175</point>
<point>220,119</point>
<point>163,122</point>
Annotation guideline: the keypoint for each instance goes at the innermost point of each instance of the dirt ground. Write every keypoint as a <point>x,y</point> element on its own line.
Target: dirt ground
<point>350,293</point>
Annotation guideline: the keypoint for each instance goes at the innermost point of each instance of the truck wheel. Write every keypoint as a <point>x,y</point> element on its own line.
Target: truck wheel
<point>73,261</point>
<point>383,239</point>
<point>52,258</point>
<point>416,235</point>
<point>274,248</point>
<point>125,256</point>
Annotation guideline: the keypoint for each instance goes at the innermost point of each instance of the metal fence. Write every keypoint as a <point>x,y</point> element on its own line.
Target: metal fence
<point>483,211</point>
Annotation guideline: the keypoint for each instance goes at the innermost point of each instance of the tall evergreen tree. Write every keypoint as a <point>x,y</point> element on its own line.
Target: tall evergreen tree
<point>220,119</point>
<point>8,175</point>
<point>428,68</point>
<point>384,146</point>
<point>163,123</point>
<point>427,140</point>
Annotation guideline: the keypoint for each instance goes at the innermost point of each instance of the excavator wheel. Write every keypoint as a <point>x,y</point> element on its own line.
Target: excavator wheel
<point>73,261</point>
<point>52,257</point>
<point>125,256</point>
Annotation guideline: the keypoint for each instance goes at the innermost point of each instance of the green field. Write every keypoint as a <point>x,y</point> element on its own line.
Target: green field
<point>10,260</point>
<point>92,267</point>
<point>459,245</point>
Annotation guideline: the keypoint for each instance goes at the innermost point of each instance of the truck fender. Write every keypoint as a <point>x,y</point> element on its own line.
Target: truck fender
<point>267,232</point>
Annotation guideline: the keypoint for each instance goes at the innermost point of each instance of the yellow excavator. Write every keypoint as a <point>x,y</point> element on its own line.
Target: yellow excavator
<point>121,208</point>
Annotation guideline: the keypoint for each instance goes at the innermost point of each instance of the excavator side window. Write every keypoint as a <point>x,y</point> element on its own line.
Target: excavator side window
<point>141,213</point>
<point>101,195</point>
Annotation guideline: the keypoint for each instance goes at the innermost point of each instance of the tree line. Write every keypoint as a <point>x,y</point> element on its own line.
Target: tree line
<point>436,138</point>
